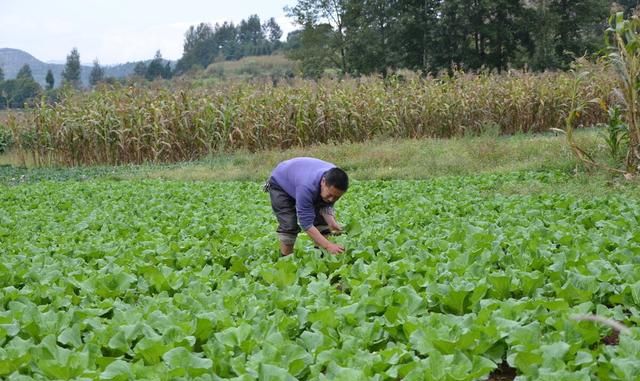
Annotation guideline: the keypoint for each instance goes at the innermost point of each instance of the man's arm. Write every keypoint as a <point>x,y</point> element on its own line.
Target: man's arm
<point>327,214</point>
<point>319,239</point>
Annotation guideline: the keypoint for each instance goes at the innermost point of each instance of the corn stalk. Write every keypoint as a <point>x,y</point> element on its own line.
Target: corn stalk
<point>119,125</point>
<point>577,106</point>
<point>624,41</point>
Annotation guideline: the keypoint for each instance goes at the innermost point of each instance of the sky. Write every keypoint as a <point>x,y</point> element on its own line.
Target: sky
<point>120,31</point>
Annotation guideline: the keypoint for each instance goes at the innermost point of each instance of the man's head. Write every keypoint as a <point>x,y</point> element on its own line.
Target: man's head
<point>333,185</point>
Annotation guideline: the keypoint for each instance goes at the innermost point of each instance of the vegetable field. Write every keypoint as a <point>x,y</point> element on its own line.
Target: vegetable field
<point>447,279</point>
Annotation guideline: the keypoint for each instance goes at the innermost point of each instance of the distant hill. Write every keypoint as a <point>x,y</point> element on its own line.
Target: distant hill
<point>11,60</point>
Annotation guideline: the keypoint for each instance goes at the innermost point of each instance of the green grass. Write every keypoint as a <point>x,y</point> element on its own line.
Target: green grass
<point>396,159</point>
<point>379,160</point>
<point>275,67</point>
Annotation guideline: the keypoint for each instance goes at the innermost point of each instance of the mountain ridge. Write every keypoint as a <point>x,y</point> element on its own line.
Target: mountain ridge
<point>12,60</point>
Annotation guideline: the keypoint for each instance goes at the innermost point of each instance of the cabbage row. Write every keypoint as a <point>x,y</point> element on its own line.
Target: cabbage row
<point>442,280</point>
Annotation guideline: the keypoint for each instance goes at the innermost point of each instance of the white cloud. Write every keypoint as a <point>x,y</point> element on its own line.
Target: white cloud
<point>117,31</point>
<point>122,45</point>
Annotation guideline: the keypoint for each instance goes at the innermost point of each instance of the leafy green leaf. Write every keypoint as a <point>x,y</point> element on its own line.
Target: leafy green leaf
<point>118,370</point>
<point>182,362</point>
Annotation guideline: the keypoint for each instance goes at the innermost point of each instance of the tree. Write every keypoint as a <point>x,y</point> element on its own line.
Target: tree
<point>199,48</point>
<point>417,31</point>
<point>71,72</point>
<point>272,31</point>
<point>310,14</point>
<point>311,46</point>
<point>250,31</point>
<point>495,32</point>
<point>156,68</point>
<point>251,38</point>
<point>373,36</point>
<point>541,24</point>
<point>1,75</point>
<point>140,70</point>
<point>197,35</point>
<point>20,90</point>
<point>97,73</point>
<point>167,72</point>
<point>581,26</point>
<point>226,39</point>
<point>25,73</point>
<point>431,35</point>
<point>49,79</point>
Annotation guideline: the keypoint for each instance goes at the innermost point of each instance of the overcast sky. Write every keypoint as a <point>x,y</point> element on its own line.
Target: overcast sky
<point>119,31</point>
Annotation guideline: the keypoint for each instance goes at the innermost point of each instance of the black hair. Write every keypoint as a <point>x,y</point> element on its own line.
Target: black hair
<point>336,177</point>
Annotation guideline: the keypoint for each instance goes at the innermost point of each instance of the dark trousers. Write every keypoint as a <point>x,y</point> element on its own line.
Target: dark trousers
<point>284,208</point>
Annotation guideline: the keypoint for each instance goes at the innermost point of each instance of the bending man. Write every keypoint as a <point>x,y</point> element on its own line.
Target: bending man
<point>303,191</point>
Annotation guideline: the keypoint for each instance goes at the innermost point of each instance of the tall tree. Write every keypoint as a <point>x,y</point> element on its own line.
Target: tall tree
<point>167,72</point>
<point>1,75</point>
<point>17,92</point>
<point>156,67</point>
<point>49,80</point>
<point>250,31</point>
<point>452,40</point>
<point>25,73</point>
<point>195,35</point>
<point>373,36</point>
<point>97,73</point>
<point>199,48</point>
<point>495,27</point>
<point>251,37</point>
<point>580,27</point>
<point>140,70</point>
<point>418,27</point>
<point>71,72</point>
<point>311,46</point>
<point>226,39</point>
<point>272,31</point>
<point>310,14</point>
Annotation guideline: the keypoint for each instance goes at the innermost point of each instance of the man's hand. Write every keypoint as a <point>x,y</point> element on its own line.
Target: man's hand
<point>321,241</point>
<point>334,248</point>
<point>335,228</point>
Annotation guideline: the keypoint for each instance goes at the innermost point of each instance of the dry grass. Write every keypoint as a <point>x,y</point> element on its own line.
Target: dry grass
<point>16,158</point>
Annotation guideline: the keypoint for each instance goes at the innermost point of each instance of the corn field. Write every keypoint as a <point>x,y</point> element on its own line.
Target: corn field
<point>120,125</point>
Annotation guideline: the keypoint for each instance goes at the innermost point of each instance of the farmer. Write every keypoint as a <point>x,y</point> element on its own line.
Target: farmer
<point>303,191</point>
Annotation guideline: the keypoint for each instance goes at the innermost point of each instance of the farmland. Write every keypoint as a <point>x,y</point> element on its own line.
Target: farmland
<point>490,230</point>
<point>475,250</point>
<point>116,125</point>
<point>451,278</point>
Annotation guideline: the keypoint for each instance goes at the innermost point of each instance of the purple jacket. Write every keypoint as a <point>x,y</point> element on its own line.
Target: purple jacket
<point>300,177</point>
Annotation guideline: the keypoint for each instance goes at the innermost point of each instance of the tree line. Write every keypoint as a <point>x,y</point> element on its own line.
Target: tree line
<point>18,92</point>
<point>15,92</point>
<point>363,37</point>
<point>379,36</point>
<point>204,43</point>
